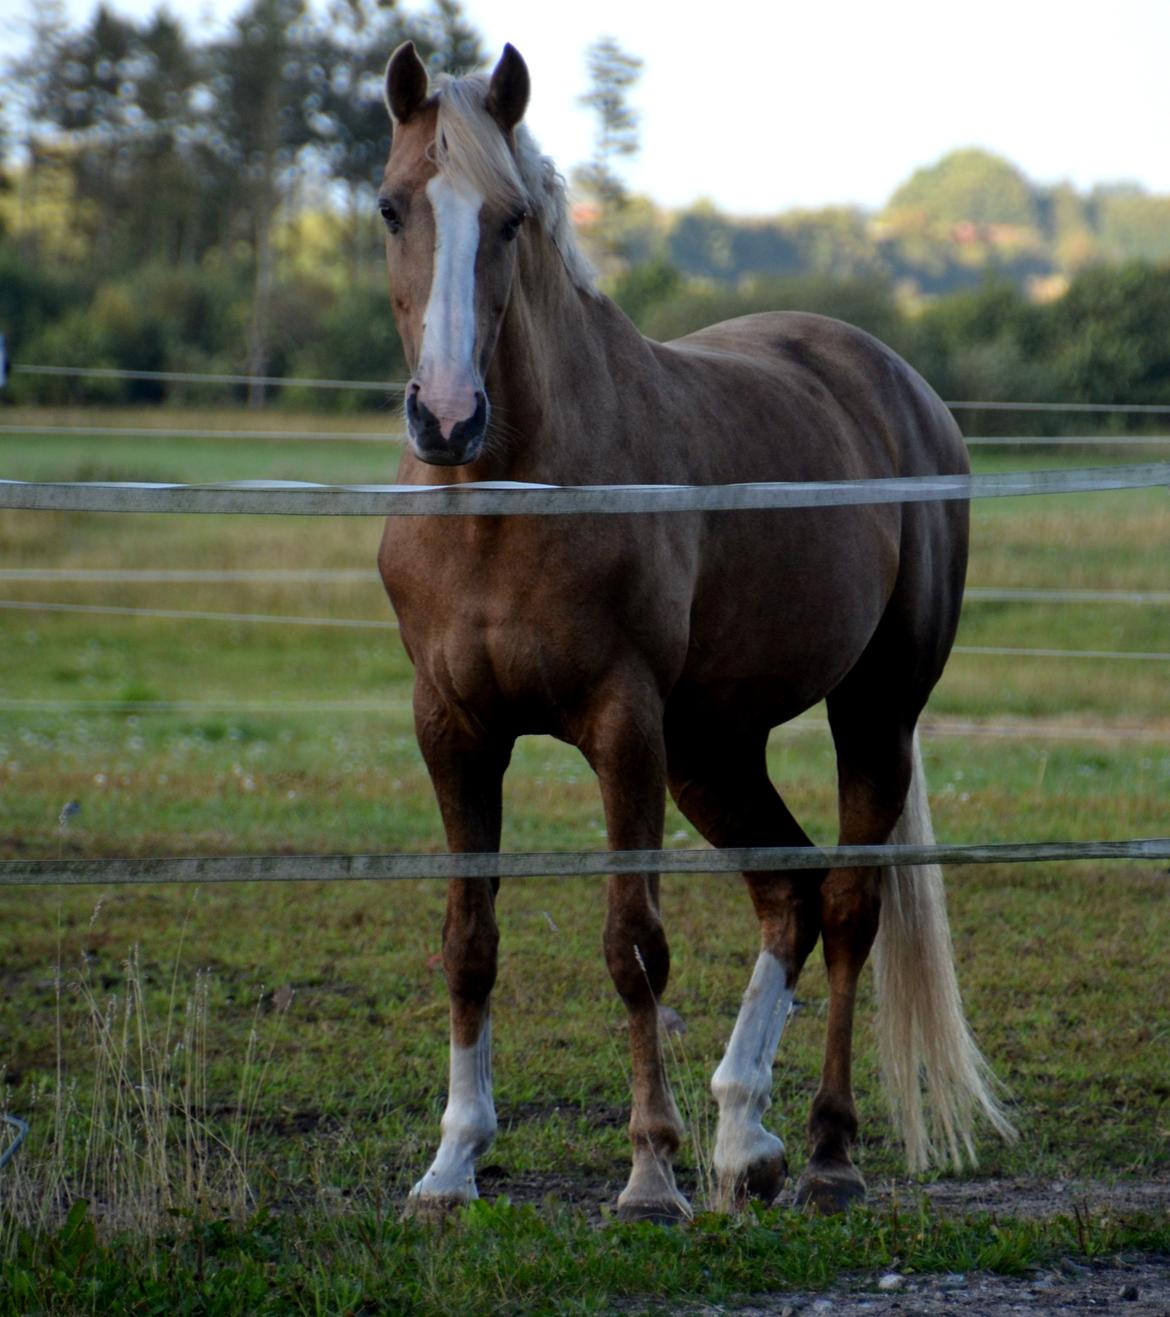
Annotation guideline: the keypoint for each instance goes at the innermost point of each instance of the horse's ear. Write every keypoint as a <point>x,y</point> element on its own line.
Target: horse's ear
<point>507,97</point>
<point>406,83</point>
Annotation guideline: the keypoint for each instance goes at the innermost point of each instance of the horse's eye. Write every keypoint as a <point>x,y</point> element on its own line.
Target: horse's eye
<point>389,216</point>
<point>512,227</point>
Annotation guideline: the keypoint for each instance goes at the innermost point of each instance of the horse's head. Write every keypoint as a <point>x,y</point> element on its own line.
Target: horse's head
<point>453,201</point>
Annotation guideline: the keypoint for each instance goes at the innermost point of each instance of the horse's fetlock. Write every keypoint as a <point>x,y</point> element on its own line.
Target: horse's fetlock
<point>832,1123</point>
<point>742,1093</point>
<point>472,1134</point>
<point>658,1138</point>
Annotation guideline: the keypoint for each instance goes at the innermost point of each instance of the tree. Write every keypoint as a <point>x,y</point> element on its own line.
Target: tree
<point>1134,227</point>
<point>1111,335</point>
<point>346,114</point>
<point>261,86</point>
<point>970,186</point>
<point>110,104</point>
<point>612,73</point>
<point>455,46</point>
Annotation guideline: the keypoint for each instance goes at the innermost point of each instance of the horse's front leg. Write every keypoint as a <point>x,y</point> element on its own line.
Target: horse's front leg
<point>467,770</point>
<point>623,742</point>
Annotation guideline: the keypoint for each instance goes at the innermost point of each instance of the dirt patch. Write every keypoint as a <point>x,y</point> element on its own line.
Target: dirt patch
<point>1140,1288</point>
<point>1018,1198</point>
<point>1030,1198</point>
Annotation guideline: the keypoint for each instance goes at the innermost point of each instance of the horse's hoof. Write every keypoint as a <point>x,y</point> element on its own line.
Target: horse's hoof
<point>664,1212</point>
<point>830,1190</point>
<point>432,1209</point>
<point>761,1183</point>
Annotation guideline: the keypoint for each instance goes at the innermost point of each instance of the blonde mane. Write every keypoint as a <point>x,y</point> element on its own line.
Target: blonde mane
<point>469,145</point>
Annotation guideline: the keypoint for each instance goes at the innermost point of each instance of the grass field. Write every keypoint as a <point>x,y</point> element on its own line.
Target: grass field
<point>253,1076</point>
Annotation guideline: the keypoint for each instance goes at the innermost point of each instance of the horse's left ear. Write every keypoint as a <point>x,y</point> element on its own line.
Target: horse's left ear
<point>507,97</point>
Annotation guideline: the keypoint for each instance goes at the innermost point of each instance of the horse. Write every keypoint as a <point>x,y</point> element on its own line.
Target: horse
<point>667,646</point>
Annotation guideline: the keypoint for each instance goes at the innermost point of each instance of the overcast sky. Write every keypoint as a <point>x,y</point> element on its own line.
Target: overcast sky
<point>762,105</point>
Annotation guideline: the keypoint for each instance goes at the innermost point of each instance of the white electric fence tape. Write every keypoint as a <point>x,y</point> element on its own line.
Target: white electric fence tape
<point>508,498</point>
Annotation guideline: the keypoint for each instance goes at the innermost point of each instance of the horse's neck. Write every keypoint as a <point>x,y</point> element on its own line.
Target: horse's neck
<point>551,380</point>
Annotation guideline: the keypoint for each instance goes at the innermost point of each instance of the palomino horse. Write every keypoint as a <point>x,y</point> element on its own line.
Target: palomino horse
<point>666,646</point>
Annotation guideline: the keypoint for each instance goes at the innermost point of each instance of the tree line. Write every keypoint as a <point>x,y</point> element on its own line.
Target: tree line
<point>148,150</point>
<point>207,204</point>
<point>968,216</point>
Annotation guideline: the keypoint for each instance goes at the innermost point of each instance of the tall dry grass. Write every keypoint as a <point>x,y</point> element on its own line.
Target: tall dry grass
<point>134,1126</point>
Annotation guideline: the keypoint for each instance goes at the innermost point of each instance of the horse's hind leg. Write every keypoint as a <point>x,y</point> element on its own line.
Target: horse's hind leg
<point>874,763</point>
<point>721,785</point>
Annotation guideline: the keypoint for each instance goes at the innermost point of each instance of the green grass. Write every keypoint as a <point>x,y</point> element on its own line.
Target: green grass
<point>551,1261</point>
<point>1063,967</point>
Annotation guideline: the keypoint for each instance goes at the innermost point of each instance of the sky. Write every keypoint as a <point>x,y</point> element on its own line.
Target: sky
<point>765,105</point>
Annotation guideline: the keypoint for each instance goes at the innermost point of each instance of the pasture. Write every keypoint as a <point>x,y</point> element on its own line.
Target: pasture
<point>253,1075</point>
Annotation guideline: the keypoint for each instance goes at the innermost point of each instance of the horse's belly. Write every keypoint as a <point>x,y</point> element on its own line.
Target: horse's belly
<point>787,603</point>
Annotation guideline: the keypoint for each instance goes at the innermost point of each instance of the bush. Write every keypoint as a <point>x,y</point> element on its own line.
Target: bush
<point>353,339</point>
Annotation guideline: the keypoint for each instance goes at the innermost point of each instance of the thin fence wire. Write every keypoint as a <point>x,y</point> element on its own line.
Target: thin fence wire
<point>368,576</point>
<point>398,437</point>
<point>204,377</point>
<point>1069,441</point>
<point>165,432</point>
<point>198,615</point>
<point>83,708</point>
<point>371,624</point>
<point>1020,595</point>
<point>932,727</point>
<point>1014,651</point>
<point>193,575</point>
<point>285,381</point>
<point>1130,408</point>
<point>557,864</point>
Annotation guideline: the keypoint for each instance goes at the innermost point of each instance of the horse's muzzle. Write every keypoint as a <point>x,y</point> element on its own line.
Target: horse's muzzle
<point>460,446</point>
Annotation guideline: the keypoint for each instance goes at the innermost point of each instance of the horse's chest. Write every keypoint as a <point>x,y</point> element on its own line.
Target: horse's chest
<point>490,613</point>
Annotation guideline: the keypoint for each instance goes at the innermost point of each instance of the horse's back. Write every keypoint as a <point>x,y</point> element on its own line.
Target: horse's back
<point>835,380</point>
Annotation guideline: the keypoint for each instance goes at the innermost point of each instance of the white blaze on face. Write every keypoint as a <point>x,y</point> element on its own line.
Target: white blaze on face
<point>446,374</point>
<point>742,1085</point>
<point>468,1125</point>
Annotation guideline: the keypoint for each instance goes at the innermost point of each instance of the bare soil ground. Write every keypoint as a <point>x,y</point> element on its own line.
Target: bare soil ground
<point>1032,1198</point>
<point>997,1197</point>
<point>1137,1288</point>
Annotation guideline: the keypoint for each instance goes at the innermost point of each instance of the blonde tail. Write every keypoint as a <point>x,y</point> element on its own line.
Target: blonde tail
<point>923,1036</point>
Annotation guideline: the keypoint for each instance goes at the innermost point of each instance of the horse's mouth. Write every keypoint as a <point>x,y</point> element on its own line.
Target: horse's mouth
<point>445,456</point>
